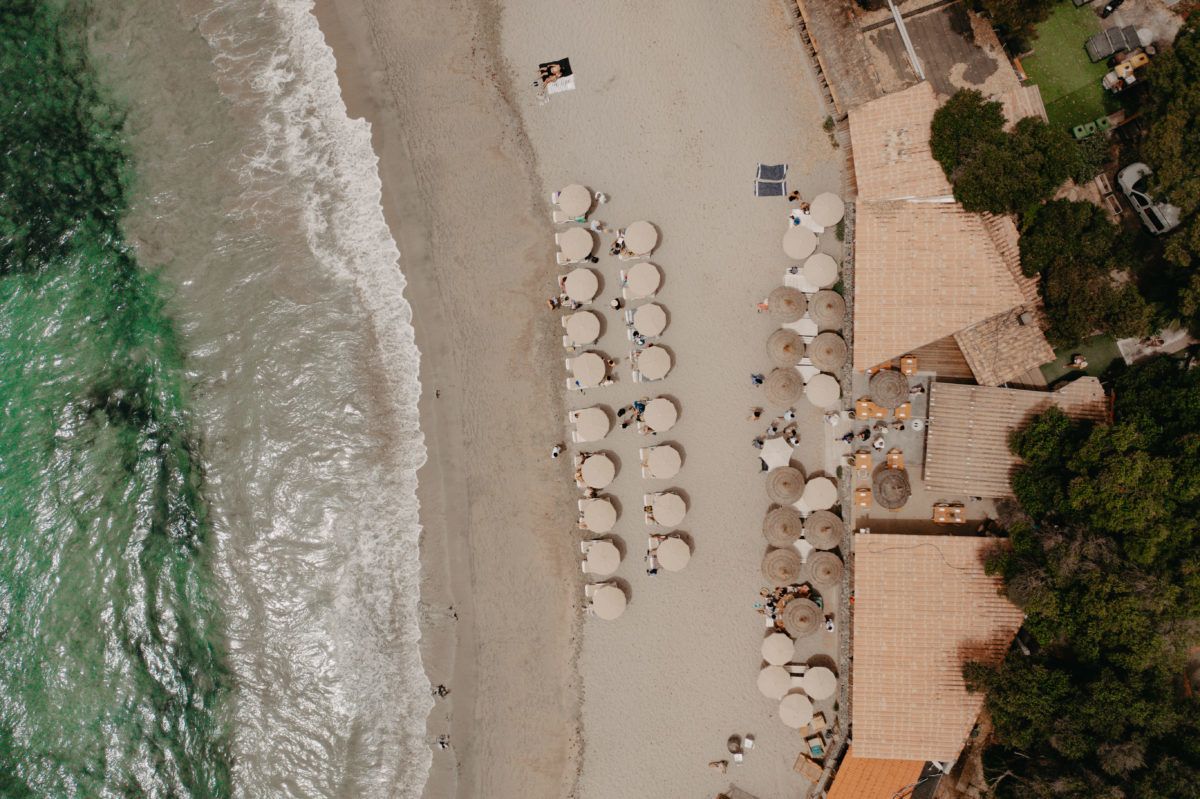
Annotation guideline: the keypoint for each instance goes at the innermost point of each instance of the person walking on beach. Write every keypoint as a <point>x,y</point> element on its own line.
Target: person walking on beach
<point>556,451</point>
<point>757,379</point>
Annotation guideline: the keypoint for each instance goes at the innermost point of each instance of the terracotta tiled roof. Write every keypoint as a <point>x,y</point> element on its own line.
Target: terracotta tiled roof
<point>1001,349</point>
<point>889,138</point>
<point>966,451</point>
<point>1021,102</point>
<point>922,271</point>
<point>871,778</point>
<point>923,607</point>
<point>1003,232</point>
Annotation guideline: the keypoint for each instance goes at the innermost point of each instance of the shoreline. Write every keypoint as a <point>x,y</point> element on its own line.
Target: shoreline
<point>454,636</point>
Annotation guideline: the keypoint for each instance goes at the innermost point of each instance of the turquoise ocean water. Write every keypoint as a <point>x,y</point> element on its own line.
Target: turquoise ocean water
<point>208,433</point>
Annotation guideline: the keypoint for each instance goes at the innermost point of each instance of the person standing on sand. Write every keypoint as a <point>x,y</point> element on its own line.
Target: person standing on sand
<point>556,451</point>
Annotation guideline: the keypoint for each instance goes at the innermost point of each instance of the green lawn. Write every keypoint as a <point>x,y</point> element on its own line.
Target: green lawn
<point>1099,351</point>
<point>1070,84</point>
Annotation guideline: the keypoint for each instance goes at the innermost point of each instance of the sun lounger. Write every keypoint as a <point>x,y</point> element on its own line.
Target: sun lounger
<point>637,377</point>
<point>562,259</point>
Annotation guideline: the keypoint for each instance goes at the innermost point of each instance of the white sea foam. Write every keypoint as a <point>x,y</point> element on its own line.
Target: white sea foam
<point>320,541</point>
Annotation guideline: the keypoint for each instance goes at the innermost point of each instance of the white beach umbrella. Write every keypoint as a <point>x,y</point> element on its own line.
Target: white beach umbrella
<point>575,200</point>
<point>660,414</point>
<point>654,363</point>
<point>774,682</point>
<point>668,508</point>
<point>820,493</point>
<point>609,602</point>
<point>588,369</point>
<point>778,649</point>
<point>583,327</point>
<point>650,319</point>
<point>673,554</point>
<point>819,683</point>
<point>823,390</point>
<point>821,270</point>
<point>776,452</point>
<point>641,238</point>
<point>581,284</point>
<point>642,280</point>
<point>576,243</point>
<point>663,461</point>
<point>799,242</point>
<point>599,515</point>
<point>827,209</point>
<point>591,424</point>
<point>603,557</point>
<point>598,470</point>
<point>795,710</point>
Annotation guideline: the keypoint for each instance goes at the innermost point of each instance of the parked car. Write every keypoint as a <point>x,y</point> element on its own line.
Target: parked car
<point>1112,6</point>
<point>1158,217</point>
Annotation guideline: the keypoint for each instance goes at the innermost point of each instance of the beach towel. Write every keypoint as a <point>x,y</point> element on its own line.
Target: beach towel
<point>771,180</point>
<point>556,76</point>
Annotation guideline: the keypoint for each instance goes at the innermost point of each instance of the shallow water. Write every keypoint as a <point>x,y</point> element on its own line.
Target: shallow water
<point>256,515</point>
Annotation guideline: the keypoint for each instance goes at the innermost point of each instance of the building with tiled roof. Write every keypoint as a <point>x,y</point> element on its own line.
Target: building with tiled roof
<point>889,138</point>
<point>872,778</point>
<point>1021,102</point>
<point>925,269</point>
<point>966,450</point>
<point>923,607</point>
<point>922,271</point>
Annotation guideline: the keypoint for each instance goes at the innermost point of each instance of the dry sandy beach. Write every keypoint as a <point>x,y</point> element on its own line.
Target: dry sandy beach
<point>675,104</point>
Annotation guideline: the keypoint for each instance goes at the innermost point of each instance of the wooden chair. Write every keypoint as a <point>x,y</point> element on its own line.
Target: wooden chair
<point>945,513</point>
<point>908,365</point>
<point>904,412</point>
<point>862,497</point>
<point>862,462</point>
<point>895,459</point>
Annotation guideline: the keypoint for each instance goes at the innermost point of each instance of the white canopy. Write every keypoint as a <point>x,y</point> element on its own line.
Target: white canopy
<point>819,682</point>
<point>827,209</point>
<point>576,243</point>
<point>654,363</point>
<point>588,369</point>
<point>660,414</point>
<point>820,493</point>
<point>575,200</point>
<point>581,285</point>
<point>669,508</point>
<point>663,461</point>
<point>799,242</point>
<point>673,554</point>
<point>602,558</point>
<point>774,682</point>
<point>598,470</point>
<point>608,602</point>
<point>591,424</point>
<point>583,327</point>
<point>641,238</point>
<point>776,452</point>
<point>778,649</point>
<point>650,319</point>
<point>642,280</point>
<point>795,710</point>
<point>599,515</point>
<point>823,390</point>
<point>821,270</point>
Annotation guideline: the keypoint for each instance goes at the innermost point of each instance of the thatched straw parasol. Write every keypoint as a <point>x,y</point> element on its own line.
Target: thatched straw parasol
<point>825,569</point>
<point>827,351</point>
<point>783,526</point>
<point>888,388</point>
<point>891,488</point>
<point>801,617</point>
<point>824,529</point>
<point>782,566</point>
<point>783,387</point>
<point>785,347</point>
<point>786,303</point>
<point>785,485</point>
<point>828,309</point>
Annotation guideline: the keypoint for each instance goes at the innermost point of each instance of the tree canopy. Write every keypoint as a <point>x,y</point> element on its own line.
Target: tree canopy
<point>1016,16</point>
<point>1083,260</point>
<point>1103,562</point>
<point>995,170</point>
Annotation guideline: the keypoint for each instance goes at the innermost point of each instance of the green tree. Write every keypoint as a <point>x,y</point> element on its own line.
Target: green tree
<point>1016,16</point>
<point>961,125</point>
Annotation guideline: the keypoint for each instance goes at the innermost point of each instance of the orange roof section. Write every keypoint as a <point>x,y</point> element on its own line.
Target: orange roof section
<point>967,452</point>
<point>871,778</point>
<point>923,607</point>
<point>889,139</point>
<point>923,271</point>
<point>1002,348</point>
